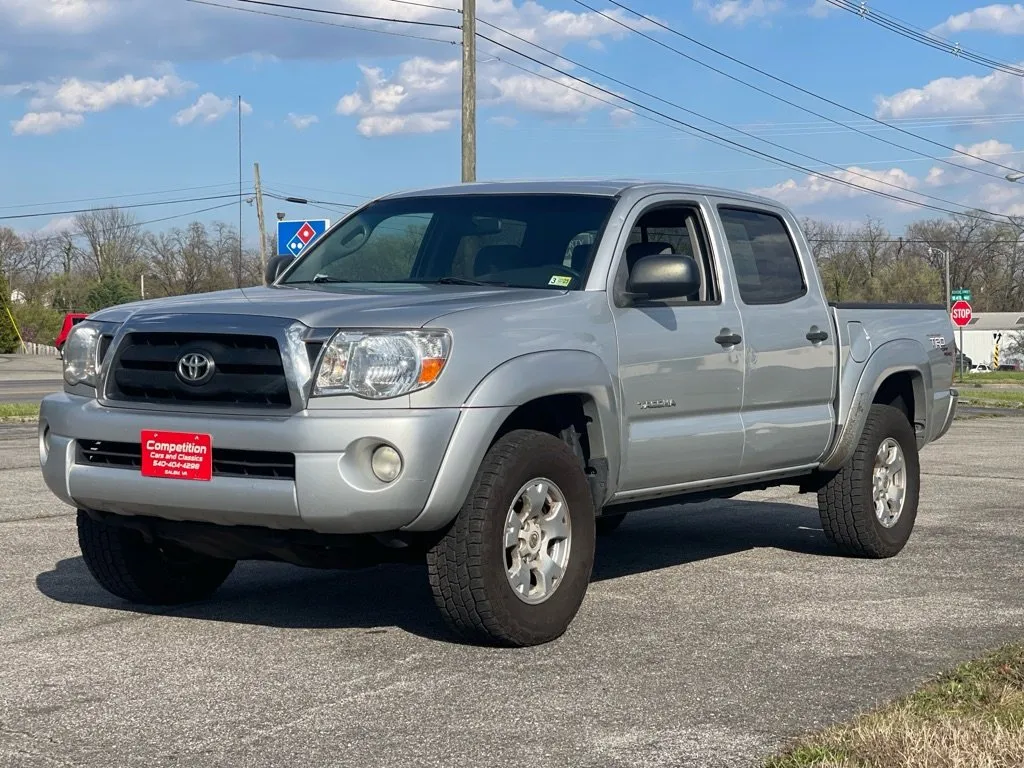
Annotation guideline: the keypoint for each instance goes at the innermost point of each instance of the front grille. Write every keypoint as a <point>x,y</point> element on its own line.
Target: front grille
<point>227,462</point>
<point>248,371</point>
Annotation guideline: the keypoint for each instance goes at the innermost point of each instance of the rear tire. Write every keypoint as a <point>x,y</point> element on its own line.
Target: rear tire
<point>514,566</point>
<point>147,572</point>
<point>868,507</point>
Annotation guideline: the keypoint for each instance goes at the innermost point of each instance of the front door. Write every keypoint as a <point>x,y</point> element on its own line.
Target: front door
<point>681,372</point>
<point>788,412</point>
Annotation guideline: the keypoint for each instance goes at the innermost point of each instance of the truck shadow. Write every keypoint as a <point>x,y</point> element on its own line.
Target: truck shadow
<point>378,598</point>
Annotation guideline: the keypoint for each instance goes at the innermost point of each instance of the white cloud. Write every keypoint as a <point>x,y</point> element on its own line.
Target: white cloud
<point>209,108</point>
<point>74,95</point>
<point>970,95</point>
<point>736,11</point>
<point>1003,198</point>
<point>935,177</point>
<point>54,106</point>
<point>302,122</point>
<point>821,188</point>
<point>74,14</point>
<point>1000,17</point>
<point>422,96</point>
<point>41,123</point>
<point>504,121</point>
<point>44,38</point>
<point>993,149</point>
<point>57,225</point>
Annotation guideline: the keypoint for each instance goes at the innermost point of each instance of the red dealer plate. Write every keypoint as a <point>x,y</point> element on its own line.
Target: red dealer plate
<point>177,455</point>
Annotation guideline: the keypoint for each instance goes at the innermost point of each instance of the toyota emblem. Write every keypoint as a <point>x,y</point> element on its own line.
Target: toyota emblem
<point>195,368</point>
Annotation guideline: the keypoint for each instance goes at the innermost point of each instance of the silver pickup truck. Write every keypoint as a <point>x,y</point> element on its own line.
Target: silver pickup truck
<point>489,376</point>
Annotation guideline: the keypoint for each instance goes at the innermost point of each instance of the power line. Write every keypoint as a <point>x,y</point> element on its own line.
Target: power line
<point>909,31</point>
<point>284,197</point>
<point>711,136</point>
<point>719,123</point>
<point>183,215</point>
<point>115,197</point>
<point>321,22</point>
<point>148,204</point>
<point>427,5</point>
<point>792,85</point>
<point>350,15</point>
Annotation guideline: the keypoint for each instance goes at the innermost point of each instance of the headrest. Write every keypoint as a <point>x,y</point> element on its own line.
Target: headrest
<point>637,251</point>
<point>580,254</point>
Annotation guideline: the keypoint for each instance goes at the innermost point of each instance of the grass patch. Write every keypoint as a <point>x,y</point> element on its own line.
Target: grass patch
<point>971,717</point>
<point>18,411</point>
<point>996,377</point>
<point>1012,398</point>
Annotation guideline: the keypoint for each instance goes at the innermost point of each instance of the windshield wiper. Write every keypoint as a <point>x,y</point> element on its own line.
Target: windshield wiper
<point>319,279</point>
<point>452,280</point>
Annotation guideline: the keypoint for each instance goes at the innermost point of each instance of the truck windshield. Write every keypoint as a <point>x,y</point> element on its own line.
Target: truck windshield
<point>527,241</point>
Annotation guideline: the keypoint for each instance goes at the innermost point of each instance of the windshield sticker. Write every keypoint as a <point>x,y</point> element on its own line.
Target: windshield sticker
<point>562,281</point>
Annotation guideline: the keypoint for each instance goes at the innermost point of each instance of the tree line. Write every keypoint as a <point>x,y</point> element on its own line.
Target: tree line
<point>106,255</point>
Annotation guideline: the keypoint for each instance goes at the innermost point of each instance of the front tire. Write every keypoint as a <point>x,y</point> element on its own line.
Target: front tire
<point>147,572</point>
<point>868,508</point>
<point>514,566</point>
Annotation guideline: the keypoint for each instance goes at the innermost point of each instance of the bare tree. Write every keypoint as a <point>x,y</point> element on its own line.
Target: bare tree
<point>10,251</point>
<point>115,242</point>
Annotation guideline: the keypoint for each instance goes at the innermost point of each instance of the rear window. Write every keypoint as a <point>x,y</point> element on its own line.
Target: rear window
<point>763,255</point>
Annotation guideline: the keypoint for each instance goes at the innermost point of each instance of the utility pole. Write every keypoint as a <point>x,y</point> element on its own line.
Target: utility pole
<point>468,90</point>
<point>259,218</point>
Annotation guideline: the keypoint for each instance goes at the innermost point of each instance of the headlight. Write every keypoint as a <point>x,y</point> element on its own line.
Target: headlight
<point>80,355</point>
<point>381,364</point>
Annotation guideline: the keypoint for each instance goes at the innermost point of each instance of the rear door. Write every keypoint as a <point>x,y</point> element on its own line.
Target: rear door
<point>681,378</point>
<point>788,415</point>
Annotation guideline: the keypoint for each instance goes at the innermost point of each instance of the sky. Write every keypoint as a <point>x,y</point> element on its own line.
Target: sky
<point>136,102</point>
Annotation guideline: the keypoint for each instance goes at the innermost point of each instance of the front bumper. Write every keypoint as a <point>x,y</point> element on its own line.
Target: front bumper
<point>333,490</point>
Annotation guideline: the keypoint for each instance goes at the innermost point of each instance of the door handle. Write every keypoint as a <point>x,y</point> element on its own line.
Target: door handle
<point>727,339</point>
<point>817,336</point>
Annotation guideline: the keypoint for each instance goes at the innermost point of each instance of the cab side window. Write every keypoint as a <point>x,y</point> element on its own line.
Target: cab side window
<point>674,230</point>
<point>763,255</point>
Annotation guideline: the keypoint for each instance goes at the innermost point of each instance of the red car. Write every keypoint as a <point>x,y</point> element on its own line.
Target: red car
<point>70,321</point>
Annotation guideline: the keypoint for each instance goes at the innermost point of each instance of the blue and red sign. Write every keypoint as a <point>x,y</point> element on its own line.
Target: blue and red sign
<point>294,237</point>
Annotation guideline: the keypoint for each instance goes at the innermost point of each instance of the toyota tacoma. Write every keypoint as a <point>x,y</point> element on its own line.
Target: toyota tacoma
<point>486,377</point>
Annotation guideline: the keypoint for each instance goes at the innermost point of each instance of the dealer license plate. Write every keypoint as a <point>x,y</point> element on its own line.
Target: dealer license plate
<point>177,455</point>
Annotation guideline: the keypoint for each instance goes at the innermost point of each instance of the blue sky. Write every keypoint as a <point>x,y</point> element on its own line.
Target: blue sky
<point>135,100</point>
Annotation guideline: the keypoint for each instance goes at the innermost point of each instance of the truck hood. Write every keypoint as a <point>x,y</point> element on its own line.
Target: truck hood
<point>395,305</point>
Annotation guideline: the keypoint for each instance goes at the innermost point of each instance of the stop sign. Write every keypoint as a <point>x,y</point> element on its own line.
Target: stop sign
<point>961,312</point>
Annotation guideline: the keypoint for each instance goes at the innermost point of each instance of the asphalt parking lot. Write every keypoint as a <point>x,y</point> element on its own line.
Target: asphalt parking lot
<point>28,378</point>
<point>710,634</point>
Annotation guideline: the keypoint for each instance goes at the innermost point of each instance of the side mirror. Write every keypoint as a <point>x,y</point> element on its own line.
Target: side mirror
<point>664,277</point>
<point>275,267</point>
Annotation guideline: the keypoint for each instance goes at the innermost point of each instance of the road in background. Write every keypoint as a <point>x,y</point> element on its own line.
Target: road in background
<point>28,378</point>
<point>710,634</point>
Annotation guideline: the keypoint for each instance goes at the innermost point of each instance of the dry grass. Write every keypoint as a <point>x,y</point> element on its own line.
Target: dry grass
<point>972,717</point>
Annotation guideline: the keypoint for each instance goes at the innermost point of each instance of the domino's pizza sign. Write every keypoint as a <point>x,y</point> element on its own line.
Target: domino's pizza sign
<point>294,237</point>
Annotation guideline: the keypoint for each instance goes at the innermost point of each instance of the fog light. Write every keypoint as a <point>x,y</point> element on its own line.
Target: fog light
<point>386,463</point>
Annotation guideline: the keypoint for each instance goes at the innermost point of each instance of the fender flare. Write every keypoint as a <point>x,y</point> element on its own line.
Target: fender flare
<point>508,386</point>
<point>893,357</point>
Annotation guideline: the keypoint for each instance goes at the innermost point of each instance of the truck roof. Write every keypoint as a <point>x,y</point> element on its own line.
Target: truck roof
<point>600,188</point>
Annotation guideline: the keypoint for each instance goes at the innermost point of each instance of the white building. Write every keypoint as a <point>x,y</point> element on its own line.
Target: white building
<point>979,336</point>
